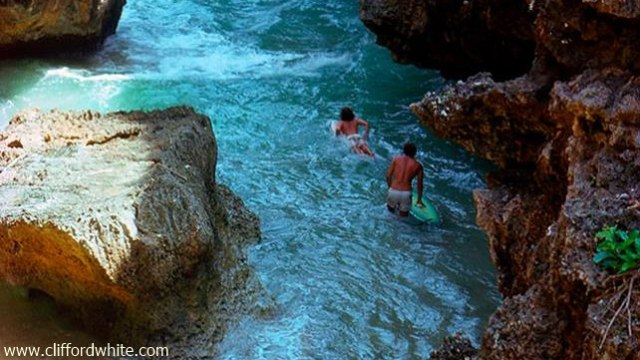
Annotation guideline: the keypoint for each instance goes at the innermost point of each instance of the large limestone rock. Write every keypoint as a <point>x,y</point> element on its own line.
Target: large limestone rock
<point>50,26</point>
<point>565,137</point>
<point>119,219</point>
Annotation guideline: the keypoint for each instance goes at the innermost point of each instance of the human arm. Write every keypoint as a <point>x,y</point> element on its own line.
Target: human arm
<point>390,172</point>
<point>366,128</point>
<point>420,179</point>
<point>337,128</point>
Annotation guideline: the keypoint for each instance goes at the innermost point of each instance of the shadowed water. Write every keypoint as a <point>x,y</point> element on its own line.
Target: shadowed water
<point>349,280</point>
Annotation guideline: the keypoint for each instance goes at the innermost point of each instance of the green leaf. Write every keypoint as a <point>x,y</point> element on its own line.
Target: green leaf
<point>626,266</point>
<point>601,256</point>
<point>633,235</point>
<point>627,241</point>
<point>622,235</point>
<point>611,262</point>
<point>607,232</point>
<point>605,246</point>
<point>618,250</point>
<point>628,256</point>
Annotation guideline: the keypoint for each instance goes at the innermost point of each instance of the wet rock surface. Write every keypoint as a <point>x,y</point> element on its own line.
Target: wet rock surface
<point>50,26</point>
<point>119,219</point>
<point>565,135</point>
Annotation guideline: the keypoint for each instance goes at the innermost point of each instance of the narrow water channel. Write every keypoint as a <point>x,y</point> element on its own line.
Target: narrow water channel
<point>349,280</point>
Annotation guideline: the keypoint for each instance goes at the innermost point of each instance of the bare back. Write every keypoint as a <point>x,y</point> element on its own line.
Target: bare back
<point>349,127</point>
<point>402,171</point>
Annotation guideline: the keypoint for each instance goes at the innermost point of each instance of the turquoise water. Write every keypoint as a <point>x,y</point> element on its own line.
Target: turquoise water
<point>349,280</point>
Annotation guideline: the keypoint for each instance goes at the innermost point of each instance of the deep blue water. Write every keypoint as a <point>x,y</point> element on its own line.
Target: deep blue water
<point>348,279</point>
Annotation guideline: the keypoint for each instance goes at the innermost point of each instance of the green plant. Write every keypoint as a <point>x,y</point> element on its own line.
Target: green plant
<point>618,250</point>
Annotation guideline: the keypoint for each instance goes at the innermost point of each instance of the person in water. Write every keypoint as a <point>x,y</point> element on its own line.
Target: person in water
<point>348,126</point>
<point>400,174</point>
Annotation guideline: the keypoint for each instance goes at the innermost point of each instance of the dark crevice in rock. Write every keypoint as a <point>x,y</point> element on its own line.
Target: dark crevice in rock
<point>119,135</point>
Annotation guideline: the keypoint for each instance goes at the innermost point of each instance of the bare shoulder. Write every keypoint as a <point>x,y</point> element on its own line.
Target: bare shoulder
<point>418,165</point>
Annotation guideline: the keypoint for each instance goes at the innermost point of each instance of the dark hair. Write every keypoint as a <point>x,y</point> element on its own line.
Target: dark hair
<point>410,149</point>
<point>346,114</point>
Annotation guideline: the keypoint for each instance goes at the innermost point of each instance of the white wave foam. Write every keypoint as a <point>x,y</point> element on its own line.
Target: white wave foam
<point>84,75</point>
<point>229,63</point>
<point>7,108</point>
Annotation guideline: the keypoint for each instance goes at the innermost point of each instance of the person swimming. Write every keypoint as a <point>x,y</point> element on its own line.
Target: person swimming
<point>348,126</point>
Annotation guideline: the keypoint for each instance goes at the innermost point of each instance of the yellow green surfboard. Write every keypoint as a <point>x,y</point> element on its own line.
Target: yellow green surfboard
<point>427,213</point>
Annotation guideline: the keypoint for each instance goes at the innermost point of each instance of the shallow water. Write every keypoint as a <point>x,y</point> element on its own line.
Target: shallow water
<point>349,280</point>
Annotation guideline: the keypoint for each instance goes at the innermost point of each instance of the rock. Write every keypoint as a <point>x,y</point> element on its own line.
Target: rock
<point>459,38</point>
<point>503,121</point>
<point>565,136</point>
<point>455,347</point>
<point>568,158</point>
<point>521,321</point>
<point>629,9</point>
<point>577,37</point>
<point>47,27</point>
<point>119,219</point>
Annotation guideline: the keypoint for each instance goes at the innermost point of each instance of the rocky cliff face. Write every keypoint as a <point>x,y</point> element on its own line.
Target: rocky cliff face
<point>52,26</point>
<point>457,37</point>
<point>119,219</point>
<point>566,137</point>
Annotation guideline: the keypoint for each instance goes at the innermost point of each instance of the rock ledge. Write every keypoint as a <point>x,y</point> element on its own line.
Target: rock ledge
<point>119,219</point>
<point>47,27</point>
